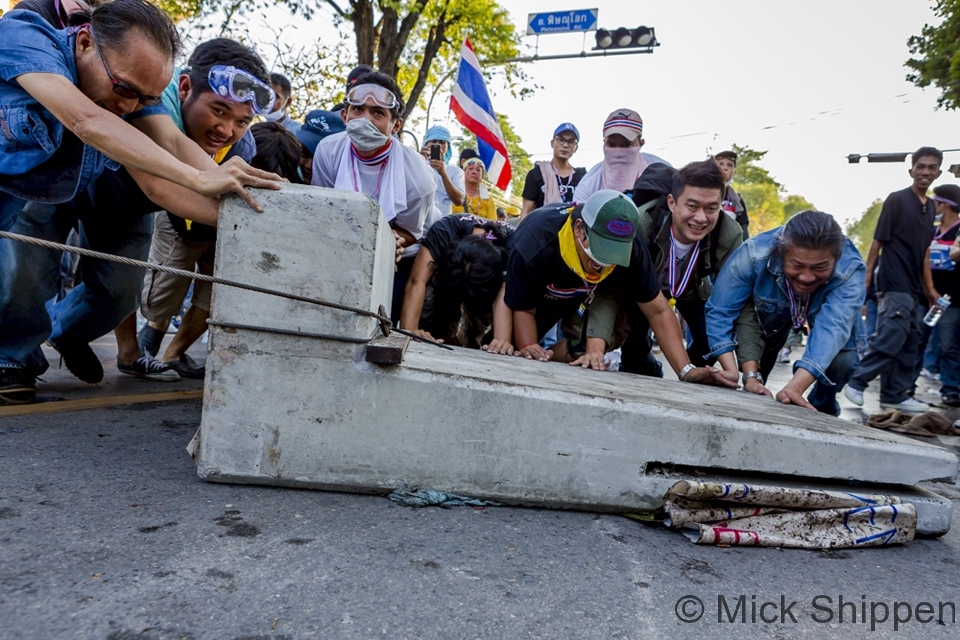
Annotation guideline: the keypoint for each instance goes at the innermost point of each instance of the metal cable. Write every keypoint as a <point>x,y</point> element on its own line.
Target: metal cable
<point>386,326</point>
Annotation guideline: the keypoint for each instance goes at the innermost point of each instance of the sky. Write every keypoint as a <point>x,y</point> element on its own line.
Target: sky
<point>809,82</point>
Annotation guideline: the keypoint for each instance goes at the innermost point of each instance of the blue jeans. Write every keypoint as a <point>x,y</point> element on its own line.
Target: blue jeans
<point>30,277</point>
<point>947,330</point>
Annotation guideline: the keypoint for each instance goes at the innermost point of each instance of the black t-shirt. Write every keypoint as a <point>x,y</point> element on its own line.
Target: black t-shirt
<point>948,280</point>
<point>449,230</point>
<point>538,278</point>
<point>906,230</point>
<point>533,185</point>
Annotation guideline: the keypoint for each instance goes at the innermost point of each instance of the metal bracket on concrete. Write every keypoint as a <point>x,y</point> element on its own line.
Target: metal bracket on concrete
<point>387,350</point>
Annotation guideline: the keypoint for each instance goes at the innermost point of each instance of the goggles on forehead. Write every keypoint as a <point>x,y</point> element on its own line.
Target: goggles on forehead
<point>241,86</point>
<point>381,96</point>
<point>471,161</point>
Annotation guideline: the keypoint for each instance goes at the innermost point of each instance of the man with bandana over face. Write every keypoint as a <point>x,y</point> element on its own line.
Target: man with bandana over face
<point>367,159</point>
<point>623,162</point>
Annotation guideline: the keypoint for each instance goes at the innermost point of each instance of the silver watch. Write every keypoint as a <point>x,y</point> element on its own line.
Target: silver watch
<point>752,374</point>
<point>687,369</point>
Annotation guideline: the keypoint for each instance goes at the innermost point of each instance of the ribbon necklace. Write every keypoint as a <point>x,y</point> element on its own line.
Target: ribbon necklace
<point>676,289</point>
<point>381,159</point>
<point>562,186</point>
<point>799,312</point>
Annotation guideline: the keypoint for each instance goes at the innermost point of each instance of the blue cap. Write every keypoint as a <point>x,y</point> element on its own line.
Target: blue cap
<point>318,125</point>
<point>438,133</point>
<point>567,126</point>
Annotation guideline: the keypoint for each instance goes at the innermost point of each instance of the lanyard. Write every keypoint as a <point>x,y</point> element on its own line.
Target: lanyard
<point>563,187</point>
<point>942,232</point>
<point>799,312</point>
<point>583,305</point>
<point>678,288</point>
<point>380,159</point>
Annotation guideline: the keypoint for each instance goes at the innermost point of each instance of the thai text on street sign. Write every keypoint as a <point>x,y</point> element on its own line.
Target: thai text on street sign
<point>562,21</point>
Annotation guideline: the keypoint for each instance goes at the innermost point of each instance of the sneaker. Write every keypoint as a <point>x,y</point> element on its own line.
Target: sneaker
<point>951,399</point>
<point>149,369</point>
<point>187,367</point>
<point>784,355</point>
<point>853,395</point>
<point>929,375</point>
<point>909,405</point>
<point>149,340</point>
<point>16,387</point>
<point>81,361</point>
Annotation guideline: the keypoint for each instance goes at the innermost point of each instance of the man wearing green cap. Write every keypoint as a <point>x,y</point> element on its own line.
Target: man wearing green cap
<point>562,256</point>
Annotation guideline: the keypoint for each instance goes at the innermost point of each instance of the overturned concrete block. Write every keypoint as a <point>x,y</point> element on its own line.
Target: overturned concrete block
<point>302,412</point>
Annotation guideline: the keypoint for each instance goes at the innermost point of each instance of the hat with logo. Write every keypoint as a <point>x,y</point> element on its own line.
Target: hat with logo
<point>612,220</point>
<point>564,128</point>
<point>318,125</point>
<point>626,122</point>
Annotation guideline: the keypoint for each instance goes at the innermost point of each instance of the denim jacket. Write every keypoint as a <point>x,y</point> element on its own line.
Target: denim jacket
<point>753,277</point>
<point>40,160</point>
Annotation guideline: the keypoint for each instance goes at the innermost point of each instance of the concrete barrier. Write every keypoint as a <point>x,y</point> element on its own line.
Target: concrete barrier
<point>304,412</point>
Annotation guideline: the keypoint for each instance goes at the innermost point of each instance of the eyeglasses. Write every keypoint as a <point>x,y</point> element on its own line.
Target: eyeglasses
<point>241,86</point>
<point>381,96</point>
<point>567,142</point>
<point>121,89</point>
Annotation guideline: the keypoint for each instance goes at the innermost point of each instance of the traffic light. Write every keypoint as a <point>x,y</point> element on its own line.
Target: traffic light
<point>623,38</point>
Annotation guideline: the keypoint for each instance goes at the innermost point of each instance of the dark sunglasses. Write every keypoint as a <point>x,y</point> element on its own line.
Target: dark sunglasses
<point>123,90</point>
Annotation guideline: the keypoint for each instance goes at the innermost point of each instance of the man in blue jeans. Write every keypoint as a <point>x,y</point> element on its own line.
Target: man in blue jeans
<point>803,273</point>
<point>61,93</point>
<point>901,243</point>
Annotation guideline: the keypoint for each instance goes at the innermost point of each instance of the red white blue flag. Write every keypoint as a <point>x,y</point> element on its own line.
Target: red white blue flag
<point>472,107</point>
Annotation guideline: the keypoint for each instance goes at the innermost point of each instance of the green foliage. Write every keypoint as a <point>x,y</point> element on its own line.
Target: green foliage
<point>861,231</point>
<point>767,204</point>
<point>938,54</point>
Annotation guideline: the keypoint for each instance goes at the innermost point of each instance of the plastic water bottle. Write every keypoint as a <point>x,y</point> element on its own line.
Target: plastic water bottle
<point>933,315</point>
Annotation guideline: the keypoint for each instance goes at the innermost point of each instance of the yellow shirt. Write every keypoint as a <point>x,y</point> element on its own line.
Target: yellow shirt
<point>485,208</point>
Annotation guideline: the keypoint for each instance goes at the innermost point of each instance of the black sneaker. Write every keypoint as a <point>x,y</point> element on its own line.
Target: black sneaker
<point>16,387</point>
<point>951,399</point>
<point>149,369</point>
<point>81,361</point>
<point>187,367</point>
<point>149,340</point>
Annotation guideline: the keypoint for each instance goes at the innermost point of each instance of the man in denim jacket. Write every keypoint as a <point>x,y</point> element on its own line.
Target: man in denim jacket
<point>803,273</point>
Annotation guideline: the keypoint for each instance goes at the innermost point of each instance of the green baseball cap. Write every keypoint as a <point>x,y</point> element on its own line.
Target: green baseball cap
<point>612,220</point>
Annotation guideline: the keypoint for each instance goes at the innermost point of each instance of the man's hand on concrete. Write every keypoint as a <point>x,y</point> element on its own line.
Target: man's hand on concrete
<point>789,395</point>
<point>753,386</point>
<point>425,334</point>
<point>536,352</point>
<point>235,175</point>
<point>501,347</point>
<point>709,375</point>
<point>590,360</point>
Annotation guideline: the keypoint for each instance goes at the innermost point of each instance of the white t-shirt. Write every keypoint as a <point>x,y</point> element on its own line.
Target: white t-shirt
<point>441,199</point>
<point>405,169</point>
<point>593,180</point>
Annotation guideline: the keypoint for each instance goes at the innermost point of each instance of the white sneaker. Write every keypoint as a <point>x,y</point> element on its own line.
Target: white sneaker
<point>784,355</point>
<point>907,406</point>
<point>853,395</point>
<point>929,375</point>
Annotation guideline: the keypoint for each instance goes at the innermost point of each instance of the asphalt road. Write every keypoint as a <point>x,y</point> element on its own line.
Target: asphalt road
<point>106,532</point>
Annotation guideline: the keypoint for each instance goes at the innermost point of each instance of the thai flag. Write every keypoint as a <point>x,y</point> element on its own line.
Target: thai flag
<point>471,105</point>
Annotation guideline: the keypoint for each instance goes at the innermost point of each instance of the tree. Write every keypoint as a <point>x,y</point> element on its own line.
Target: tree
<point>861,231</point>
<point>938,51</point>
<point>767,206</point>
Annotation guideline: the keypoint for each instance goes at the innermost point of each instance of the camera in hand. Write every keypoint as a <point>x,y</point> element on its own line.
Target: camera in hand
<point>435,152</point>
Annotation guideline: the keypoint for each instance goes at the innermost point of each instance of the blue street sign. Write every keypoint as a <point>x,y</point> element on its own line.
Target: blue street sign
<point>562,21</point>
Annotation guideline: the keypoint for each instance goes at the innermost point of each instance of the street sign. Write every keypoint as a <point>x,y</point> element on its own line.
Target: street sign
<point>562,21</point>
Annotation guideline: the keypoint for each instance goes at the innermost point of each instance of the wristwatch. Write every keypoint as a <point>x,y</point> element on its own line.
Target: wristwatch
<point>752,374</point>
<point>687,369</point>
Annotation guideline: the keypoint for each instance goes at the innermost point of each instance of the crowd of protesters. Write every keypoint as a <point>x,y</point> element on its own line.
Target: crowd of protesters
<point>105,138</point>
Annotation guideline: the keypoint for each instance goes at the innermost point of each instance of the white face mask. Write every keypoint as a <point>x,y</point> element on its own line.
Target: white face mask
<point>365,136</point>
<point>274,116</point>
